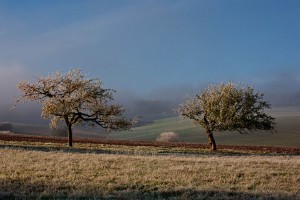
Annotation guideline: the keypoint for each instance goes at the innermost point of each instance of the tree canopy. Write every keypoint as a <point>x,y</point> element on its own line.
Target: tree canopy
<point>228,107</point>
<point>75,99</point>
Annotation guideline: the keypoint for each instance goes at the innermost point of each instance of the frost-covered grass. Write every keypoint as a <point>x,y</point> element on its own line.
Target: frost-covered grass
<point>33,170</point>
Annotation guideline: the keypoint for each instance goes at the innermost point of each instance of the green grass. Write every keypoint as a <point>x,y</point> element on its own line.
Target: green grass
<point>287,131</point>
<point>89,171</point>
<point>152,131</point>
<point>287,118</point>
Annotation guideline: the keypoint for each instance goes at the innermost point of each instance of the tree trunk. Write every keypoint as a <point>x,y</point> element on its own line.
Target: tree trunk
<point>70,135</point>
<point>211,141</point>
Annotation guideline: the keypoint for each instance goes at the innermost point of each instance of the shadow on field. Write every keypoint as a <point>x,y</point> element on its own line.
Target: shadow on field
<point>60,149</point>
<point>67,192</point>
<point>196,194</point>
<point>160,152</point>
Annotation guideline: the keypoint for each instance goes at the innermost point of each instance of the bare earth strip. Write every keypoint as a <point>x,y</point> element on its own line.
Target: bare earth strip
<point>266,149</point>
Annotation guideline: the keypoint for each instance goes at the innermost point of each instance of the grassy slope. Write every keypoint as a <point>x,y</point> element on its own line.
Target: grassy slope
<point>36,170</point>
<point>288,131</point>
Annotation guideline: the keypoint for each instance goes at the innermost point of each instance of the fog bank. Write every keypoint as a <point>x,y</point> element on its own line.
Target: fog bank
<point>281,89</point>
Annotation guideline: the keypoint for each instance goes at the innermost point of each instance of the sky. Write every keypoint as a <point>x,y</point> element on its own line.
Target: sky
<point>152,48</point>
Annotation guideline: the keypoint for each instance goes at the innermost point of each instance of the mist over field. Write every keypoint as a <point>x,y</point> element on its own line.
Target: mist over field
<point>282,89</point>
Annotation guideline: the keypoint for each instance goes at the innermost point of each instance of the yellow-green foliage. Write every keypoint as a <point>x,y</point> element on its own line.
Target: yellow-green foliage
<point>47,172</point>
<point>228,107</point>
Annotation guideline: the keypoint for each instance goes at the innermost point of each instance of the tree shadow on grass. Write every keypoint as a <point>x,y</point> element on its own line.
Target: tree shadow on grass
<point>160,151</point>
<point>61,149</point>
<point>131,193</point>
<point>199,194</point>
<point>117,152</point>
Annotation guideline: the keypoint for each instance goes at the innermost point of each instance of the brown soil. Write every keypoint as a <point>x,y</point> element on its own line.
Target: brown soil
<point>52,139</point>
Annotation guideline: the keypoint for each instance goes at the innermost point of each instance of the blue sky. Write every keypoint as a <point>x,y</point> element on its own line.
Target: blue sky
<point>141,46</point>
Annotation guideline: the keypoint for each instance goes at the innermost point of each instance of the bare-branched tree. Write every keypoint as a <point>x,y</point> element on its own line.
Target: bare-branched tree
<point>74,99</point>
<point>228,107</point>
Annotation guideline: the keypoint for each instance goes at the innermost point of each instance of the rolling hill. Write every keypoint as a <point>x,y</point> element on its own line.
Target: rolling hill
<point>287,131</point>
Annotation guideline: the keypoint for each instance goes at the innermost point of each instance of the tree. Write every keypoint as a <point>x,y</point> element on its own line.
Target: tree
<point>74,99</point>
<point>228,107</point>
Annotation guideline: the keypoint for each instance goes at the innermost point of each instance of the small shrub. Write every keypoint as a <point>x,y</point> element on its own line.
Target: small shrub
<point>168,137</point>
<point>6,126</point>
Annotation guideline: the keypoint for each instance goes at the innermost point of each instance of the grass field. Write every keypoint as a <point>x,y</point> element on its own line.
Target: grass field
<point>287,131</point>
<point>53,171</point>
<point>287,118</point>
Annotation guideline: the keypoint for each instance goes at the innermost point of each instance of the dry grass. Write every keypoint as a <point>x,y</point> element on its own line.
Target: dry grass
<point>36,173</point>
